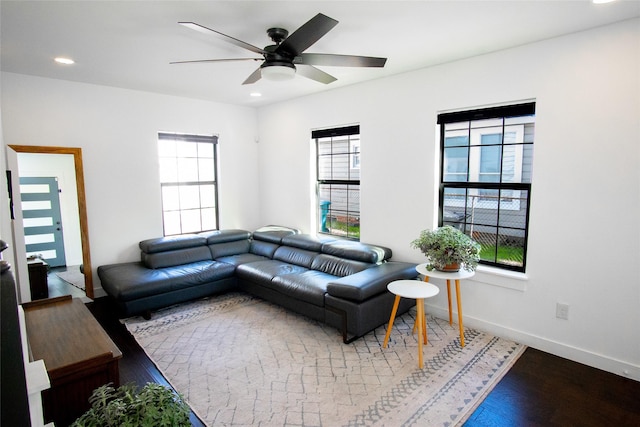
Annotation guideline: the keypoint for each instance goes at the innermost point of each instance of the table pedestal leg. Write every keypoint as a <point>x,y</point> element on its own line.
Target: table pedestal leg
<point>459,300</point>
<point>391,319</point>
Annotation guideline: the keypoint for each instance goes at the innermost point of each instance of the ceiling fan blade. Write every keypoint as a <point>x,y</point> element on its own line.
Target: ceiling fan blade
<point>222,36</point>
<point>339,60</point>
<point>217,60</point>
<point>254,77</point>
<point>306,35</point>
<point>313,73</point>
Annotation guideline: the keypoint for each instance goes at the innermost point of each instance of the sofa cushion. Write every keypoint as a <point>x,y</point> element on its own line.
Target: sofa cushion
<point>357,251</point>
<point>169,243</point>
<point>265,249</point>
<point>265,271</point>
<point>370,282</point>
<point>176,257</point>
<point>130,281</point>
<point>241,259</point>
<point>222,236</point>
<point>309,286</point>
<point>338,266</point>
<point>219,250</point>
<point>295,256</point>
<point>306,241</point>
<point>274,233</point>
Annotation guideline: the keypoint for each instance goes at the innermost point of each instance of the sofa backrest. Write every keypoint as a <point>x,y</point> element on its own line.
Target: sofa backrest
<point>338,266</point>
<point>274,233</point>
<point>357,251</point>
<point>170,251</point>
<point>223,243</point>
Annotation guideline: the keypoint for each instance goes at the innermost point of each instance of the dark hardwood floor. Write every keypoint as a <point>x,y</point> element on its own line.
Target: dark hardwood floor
<point>539,390</point>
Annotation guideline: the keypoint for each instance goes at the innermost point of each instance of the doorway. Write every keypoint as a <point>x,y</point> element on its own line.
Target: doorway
<point>42,220</point>
<point>81,200</point>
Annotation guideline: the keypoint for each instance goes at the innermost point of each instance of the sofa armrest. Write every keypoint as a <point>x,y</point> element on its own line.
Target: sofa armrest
<point>370,282</point>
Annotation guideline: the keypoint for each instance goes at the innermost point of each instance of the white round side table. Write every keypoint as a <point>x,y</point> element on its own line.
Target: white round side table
<point>418,291</point>
<point>449,276</point>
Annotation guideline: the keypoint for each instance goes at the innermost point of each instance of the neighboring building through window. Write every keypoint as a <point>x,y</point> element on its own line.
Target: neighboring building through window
<point>338,181</point>
<point>485,179</point>
<point>188,180</point>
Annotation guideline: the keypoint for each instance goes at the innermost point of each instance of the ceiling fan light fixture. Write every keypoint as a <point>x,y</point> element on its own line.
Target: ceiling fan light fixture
<point>278,72</point>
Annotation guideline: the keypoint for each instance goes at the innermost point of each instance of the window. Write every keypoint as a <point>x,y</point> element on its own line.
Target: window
<point>188,181</point>
<point>485,179</point>
<point>338,181</point>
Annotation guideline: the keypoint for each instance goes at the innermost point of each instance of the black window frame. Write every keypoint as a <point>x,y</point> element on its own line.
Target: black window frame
<point>464,223</point>
<point>329,212</point>
<point>212,139</point>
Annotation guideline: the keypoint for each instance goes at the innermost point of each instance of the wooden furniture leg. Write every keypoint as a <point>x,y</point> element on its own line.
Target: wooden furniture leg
<point>459,301</point>
<point>391,319</point>
<point>420,319</point>
<point>449,298</point>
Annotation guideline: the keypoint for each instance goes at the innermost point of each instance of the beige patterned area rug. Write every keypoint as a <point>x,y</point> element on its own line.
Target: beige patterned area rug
<point>241,361</point>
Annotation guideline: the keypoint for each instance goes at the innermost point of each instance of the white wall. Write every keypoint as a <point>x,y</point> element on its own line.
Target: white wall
<point>585,239</point>
<point>117,131</point>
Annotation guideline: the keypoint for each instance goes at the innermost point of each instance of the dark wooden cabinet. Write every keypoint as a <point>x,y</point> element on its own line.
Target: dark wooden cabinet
<point>38,283</point>
<point>78,354</point>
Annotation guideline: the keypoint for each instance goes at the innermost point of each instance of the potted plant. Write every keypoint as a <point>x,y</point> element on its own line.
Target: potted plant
<point>153,406</point>
<point>448,248</point>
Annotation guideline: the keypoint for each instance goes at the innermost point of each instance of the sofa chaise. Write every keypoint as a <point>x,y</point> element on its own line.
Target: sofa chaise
<point>341,283</point>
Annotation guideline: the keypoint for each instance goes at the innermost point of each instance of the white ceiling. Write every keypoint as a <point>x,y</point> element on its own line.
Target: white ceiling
<point>129,44</point>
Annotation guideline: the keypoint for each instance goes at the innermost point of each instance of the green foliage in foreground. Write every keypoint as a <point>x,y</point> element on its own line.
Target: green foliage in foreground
<point>153,406</point>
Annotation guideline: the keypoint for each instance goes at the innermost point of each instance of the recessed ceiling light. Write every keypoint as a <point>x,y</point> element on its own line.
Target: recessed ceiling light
<point>255,94</point>
<point>65,61</point>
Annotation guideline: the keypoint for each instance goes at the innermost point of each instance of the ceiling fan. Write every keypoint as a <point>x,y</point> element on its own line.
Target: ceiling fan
<point>282,59</point>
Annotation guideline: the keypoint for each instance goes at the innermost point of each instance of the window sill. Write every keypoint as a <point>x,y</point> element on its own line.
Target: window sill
<point>503,278</point>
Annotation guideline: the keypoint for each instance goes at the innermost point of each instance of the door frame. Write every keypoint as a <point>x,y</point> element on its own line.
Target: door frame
<point>82,203</point>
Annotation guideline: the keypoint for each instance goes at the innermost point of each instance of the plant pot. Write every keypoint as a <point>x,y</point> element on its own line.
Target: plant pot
<point>450,268</point>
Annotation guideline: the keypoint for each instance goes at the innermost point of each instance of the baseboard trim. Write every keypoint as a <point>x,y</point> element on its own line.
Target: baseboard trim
<point>576,354</point>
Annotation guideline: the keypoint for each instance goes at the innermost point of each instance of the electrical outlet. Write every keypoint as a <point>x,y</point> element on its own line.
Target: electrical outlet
<point>562,311</point>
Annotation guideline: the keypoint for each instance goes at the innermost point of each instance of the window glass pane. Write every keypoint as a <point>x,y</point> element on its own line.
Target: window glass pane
<point>168,170</point>
<point>189,197</point>
<point>456,141</point>
<point>207,196</point>
<point>206,170</point>
<point>39,238</point>
<point>171,223</point>
<point>324,167</point>
<point>190,220</point>
<point>340,166</point>
<point>456,164</point>
<point>166,148</point>
<point>37,222</point>
<point>209,219</point>
<point>36,205</point>
<point>187,149</point>
<point>340,145</point>
<point>187,170</point>
<point>487,123</point>
<point>170,198</point>
<point>205,149</point>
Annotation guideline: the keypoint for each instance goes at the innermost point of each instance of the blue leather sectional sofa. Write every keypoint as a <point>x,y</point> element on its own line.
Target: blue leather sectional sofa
<point>341,283</point>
